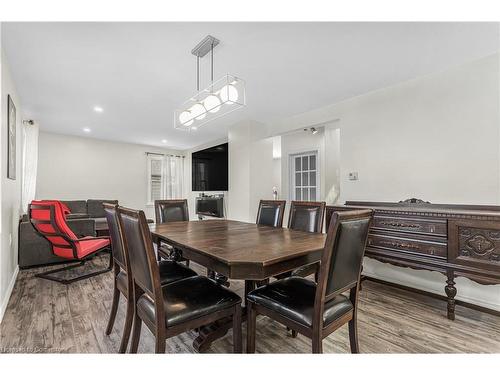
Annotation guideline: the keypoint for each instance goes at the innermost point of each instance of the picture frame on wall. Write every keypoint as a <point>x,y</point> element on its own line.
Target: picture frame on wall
<point>11,138</point>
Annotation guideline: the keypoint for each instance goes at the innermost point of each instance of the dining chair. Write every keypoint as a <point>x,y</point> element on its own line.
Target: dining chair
<point>271,213</point>
<point>307,217</point>
<point>318,309</point>
<point>170,271</point>
<point>170,309</point>
<point>329,210</point>
<point>48,218</point>
<point>167,211</point>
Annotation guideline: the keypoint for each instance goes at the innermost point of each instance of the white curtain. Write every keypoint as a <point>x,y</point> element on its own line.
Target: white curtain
<point>29,164</point>
<point>174,177</point>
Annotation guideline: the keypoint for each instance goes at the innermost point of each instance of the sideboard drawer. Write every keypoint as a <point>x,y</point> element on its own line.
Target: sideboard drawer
<point>415,246</point>
<point>433,227</point>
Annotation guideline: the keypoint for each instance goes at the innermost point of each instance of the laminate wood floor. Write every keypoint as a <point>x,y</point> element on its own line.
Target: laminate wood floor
<point>44,316</point>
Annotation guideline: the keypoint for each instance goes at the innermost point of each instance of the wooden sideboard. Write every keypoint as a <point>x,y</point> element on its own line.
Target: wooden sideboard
<point>456,240</point>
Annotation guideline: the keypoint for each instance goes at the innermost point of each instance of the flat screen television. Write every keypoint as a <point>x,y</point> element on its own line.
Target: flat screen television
<point>210,169</point>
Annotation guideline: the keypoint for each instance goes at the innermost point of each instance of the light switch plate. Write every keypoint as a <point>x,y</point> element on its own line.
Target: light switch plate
<point>353,176</point>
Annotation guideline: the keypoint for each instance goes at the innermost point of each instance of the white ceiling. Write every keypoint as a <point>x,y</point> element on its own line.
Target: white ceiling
<point>140,72</point>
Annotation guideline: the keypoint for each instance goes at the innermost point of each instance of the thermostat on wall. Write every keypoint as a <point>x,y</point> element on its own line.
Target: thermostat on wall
<point>353,176</point>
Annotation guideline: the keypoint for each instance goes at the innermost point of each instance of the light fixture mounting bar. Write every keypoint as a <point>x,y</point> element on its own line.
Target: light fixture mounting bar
<point>205,46</point>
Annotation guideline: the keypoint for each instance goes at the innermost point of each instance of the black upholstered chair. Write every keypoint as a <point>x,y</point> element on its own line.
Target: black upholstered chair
<point>166,211</point>
<point>169,210</point>
<point>174,308</point>
<point>271,213</point>
<point>170,271</point>
<point>307,217</point>
<point>318,309</point>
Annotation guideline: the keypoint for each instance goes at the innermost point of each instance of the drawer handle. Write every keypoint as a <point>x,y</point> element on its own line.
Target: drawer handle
<point>398,224</point>
<point>401,245</point>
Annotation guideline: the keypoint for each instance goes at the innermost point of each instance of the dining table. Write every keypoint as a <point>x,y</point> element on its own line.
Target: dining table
<point>238,251</point>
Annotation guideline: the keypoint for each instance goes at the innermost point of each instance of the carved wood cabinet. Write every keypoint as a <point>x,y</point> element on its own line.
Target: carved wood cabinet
<point>456,240</point>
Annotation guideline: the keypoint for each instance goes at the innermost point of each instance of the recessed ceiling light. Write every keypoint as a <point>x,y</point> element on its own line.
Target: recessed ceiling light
<point>86,130</point>
<point>194,128</point>
<point>163,141</point>
<point>98,109</point>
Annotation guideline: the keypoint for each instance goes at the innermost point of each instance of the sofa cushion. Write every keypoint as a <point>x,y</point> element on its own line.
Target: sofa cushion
<point>76,207</point>
<point>95,207</point>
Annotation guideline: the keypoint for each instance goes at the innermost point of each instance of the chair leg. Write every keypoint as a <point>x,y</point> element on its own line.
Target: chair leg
<point>160,343</point>
<point>353,323</point>
<point>114,309</point>
<point>129,317</point>
<point>251,323</point>
<point>317,344</point>
<point>294,333</point>
<point>187,262</point>
<point>136,334</point>
<point>237,345</point>
<point>353,335</point>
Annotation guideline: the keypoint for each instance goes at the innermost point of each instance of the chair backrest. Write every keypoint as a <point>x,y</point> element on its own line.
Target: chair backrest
<point>306,216</point>
<point>116,234</point>
<point>48,219</point>
<point>171,210</point>
<point>139,247</point>
<point>271,213</point>
<point>342,257</point>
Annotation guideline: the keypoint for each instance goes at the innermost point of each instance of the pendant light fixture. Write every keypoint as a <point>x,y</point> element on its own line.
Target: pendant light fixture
<point>220,97</point>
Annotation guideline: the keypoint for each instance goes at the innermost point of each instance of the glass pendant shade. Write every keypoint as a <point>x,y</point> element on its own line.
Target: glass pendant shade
<point>198,111</point>
<point>229,94</point>
<point>186,118</point>
<point>218,99</point>
<point>212,103</point>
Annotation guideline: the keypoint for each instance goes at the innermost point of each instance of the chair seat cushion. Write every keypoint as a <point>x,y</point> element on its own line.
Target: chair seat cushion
<point>170,272</point>
<point>188,299</point>
<point>293,298</point>
<point>85,248</point>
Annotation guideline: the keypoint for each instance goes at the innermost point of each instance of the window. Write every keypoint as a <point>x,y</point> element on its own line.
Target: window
<point>165,177</point>
<point>155,178</point>
<point>304,176</point>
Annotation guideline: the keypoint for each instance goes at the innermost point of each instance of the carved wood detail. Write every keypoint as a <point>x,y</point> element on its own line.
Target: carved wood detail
<point>414,201</point>
<point>398,224</point>
<point>479,243</point>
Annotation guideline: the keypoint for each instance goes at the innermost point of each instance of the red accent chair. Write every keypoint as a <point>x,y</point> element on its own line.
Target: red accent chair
<point>49,220</point>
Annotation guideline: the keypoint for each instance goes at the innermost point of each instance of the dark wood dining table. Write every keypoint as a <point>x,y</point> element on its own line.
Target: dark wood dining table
<point>238,250</point>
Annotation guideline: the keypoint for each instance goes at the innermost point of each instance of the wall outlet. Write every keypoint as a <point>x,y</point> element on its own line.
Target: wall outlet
<point>353,176</point>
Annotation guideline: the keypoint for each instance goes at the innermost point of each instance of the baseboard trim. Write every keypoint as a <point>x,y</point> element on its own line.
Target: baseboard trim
<point>10,288</point>
<point>434,295</point>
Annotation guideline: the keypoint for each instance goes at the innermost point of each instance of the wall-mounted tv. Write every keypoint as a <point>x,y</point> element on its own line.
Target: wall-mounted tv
<point>210,169</point>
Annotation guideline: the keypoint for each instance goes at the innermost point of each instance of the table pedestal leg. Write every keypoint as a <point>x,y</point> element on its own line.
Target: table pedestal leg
<point>209,333</point>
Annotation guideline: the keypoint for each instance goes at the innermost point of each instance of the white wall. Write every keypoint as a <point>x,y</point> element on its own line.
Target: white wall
<point>435,138</point>
<point>10,190</point>
<point>72,167</point>
<point>251,174</point>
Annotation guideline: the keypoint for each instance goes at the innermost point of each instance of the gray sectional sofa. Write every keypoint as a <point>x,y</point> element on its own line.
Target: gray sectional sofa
<point>35,250</point>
